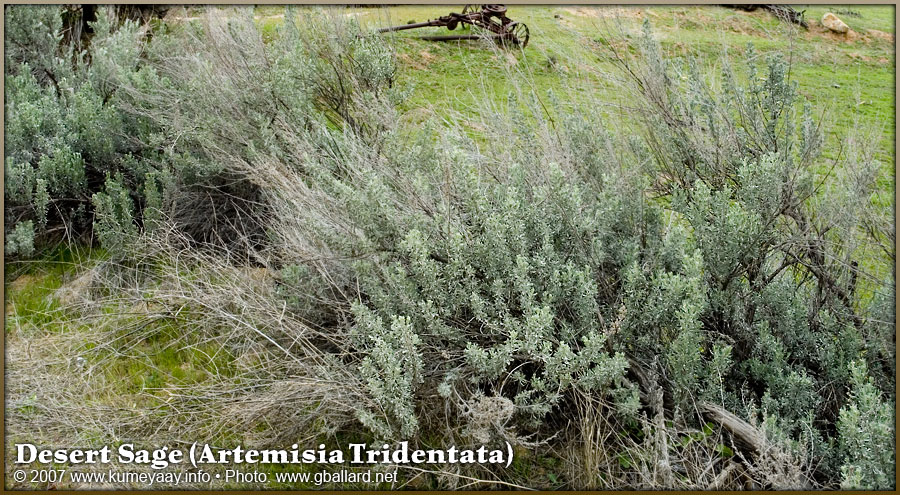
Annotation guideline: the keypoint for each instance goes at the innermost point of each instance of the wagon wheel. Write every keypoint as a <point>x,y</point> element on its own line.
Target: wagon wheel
<point>516,33</point>
<point>495,9</point>
<point>522,34</point>
<point>470,8</point>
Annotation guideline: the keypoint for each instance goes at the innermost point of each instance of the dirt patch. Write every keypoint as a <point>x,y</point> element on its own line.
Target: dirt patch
<point>741,24</point>
<point>21,282</point>
<point>849,36</point>
<point>857,56</point>
<point>77,290</point>
<point>419,62</point>
<point>18,285</point>
<point>817,30</point>
<point>738,25</point>
<point>427,56</point>
<point>609,12</point>
<point>408,61</point>
<point>880,35</point>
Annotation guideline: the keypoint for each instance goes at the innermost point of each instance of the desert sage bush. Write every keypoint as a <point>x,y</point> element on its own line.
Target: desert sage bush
<point>530,274</point>
<point>782,248</point>
<point>523,274</point>
<point>866,437</point>
<point>229,104</point>
<point>69,147</point>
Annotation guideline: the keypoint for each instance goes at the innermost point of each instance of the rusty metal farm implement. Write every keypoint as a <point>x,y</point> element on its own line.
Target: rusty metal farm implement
<point>489,18</point>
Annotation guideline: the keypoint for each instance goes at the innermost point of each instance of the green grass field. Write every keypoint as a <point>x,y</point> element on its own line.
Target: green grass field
<point>848,78</point>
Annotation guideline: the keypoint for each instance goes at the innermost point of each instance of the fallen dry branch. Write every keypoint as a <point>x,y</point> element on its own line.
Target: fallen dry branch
<point>772,466</point>
<point>744,433</point>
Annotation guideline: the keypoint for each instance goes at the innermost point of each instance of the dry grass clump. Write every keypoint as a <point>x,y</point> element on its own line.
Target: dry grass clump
<point>280,370</point>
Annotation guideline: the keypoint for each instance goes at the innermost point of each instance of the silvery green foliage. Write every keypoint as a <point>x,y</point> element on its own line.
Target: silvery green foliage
<point>867,437</point>
<point>345,71</point>
<point>230,108</point>
<point>319,70</point>
<point>697,257</point>
<point>662,306</point>
<point>392,368</point>
<point>21,240</point>
<point>739,166</point>
<point>531,273</point>
<point>114,216</point>
<point>64,130</point>
<point>33,36</point>
<point>494,268</point>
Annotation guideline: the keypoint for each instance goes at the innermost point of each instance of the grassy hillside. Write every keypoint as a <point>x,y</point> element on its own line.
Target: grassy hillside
<point>850,77</point>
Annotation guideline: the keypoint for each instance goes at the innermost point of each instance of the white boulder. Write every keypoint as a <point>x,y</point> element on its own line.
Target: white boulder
<point>833,23</point>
